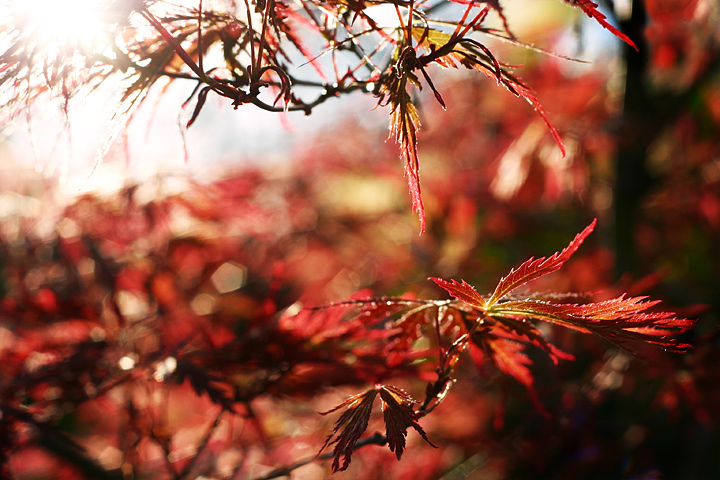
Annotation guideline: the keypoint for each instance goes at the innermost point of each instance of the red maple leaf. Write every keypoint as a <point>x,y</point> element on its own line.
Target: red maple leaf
<point>536,268</point>
<point>462,291</point>
<point>398,414</point>
<point>591,11</point>
<point>507,322</point>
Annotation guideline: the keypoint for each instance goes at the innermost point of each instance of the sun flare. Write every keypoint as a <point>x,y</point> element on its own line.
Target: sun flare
<point>68,23</point>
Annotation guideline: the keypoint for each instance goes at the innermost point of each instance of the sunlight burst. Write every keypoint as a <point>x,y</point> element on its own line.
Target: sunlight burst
<point>70,23</point>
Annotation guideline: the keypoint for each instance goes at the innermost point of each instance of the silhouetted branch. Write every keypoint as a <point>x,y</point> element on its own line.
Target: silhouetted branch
<point>376,439</point>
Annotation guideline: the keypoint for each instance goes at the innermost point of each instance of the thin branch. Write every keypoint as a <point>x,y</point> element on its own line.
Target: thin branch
<point>437,391</point>
<point>257,72</point>
<point>251,36</point>
<point>202,446</point>
<point>200,45</point>
<point>376,439</point>
<point>57,443</point>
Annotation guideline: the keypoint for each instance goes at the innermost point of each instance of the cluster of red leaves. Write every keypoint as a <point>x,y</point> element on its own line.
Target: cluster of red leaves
<point>258,57</point>
<point>498,325</point>
<point>473,231</point>
<point>75,305</point>
<point>126,298</point>
<point>682,36</point>
<point>451,50</point>
<point>130,307</point>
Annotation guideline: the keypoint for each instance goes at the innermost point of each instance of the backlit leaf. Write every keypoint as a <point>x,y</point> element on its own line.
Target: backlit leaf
<point>510,359</point>
<point>404,123</point>
<point>616,320</point>
<point>536,268</point>
<point>591,11</point>
<point>449,51</point>
<point>350,426</point>
<point>398,415</point>
<point>462,291</point>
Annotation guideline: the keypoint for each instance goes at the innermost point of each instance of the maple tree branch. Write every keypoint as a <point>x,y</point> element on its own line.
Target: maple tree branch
<point>438,390</point>
<point>78,458</point>
<point>62,446</point>
<point>375,439</point>
<point>212,428</point>
<point>257,70</point>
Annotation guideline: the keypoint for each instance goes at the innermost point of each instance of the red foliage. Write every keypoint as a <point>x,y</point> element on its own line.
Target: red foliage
<point>398,414</point>
<point>180,337</point>
<point>591,11</point>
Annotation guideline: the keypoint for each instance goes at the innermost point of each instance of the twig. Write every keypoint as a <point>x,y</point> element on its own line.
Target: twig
<point>376,439</point>
<point>62,445</point>
<point>185,473</point>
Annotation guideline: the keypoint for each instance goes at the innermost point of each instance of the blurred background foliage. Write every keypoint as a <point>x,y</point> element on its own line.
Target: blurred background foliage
<point>131,320</point>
